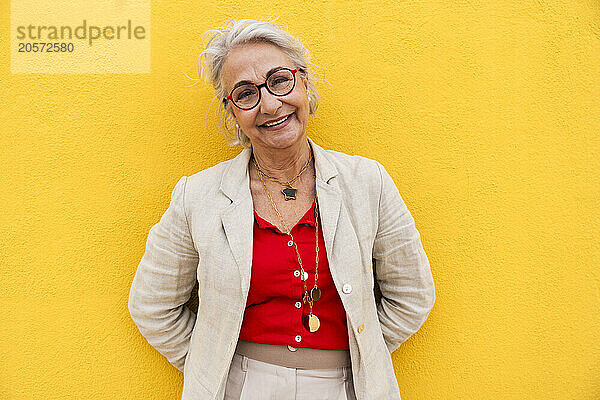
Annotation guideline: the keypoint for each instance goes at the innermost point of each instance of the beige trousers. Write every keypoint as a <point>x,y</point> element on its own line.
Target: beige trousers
<point>250,379</point>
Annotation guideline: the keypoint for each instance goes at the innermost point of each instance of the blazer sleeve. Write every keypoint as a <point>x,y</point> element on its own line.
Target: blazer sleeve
<point>163,282</point>
<point>401,267</point>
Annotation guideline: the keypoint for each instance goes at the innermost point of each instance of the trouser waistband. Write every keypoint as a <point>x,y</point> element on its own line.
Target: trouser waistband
<point>294,357</point>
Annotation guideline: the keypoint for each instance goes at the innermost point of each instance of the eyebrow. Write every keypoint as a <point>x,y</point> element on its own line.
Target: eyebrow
<point>245,82</point>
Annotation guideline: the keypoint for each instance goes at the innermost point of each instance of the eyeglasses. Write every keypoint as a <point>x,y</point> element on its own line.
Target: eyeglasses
<point>280,82</point>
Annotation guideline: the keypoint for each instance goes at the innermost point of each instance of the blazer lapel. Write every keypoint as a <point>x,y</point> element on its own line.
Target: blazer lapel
<point>341,243</point>
<point>328,196</point>
<point>238,217</point>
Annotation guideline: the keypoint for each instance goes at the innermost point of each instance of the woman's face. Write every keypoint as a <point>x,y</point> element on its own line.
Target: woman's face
<point>251,62</point>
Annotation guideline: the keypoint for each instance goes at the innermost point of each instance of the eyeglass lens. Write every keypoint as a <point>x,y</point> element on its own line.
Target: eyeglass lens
<point>279,83</point>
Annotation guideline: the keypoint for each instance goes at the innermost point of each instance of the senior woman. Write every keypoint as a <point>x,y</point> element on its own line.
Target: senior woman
<point>288,243</point>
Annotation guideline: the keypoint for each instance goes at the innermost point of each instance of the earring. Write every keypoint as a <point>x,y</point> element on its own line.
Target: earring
<point>238,132</point>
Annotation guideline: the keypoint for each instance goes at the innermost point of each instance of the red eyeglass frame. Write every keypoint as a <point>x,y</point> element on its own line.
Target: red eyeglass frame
<point>259,87</point>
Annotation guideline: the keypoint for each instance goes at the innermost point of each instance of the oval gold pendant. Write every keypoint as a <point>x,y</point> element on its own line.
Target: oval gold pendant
<point>313,322</point>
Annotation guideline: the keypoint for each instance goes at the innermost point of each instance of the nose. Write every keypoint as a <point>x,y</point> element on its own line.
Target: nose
<point>269,104</point>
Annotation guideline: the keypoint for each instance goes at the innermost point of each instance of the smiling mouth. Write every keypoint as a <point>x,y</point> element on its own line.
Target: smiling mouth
<point>278,122</point>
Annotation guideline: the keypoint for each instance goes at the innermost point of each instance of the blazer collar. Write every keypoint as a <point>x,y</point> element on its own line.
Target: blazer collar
<point>236,175</point>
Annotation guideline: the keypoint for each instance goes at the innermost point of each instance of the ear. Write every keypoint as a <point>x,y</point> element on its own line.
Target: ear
<point>228,108</point>
<point>229,115</point>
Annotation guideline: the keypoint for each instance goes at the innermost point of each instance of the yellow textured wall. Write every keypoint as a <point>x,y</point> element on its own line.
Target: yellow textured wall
<point>486,113</point>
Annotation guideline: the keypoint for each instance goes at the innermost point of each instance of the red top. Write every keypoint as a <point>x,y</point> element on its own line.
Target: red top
<point>274,308</point>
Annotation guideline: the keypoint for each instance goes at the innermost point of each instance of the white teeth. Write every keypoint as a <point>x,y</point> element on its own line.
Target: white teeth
<point>277,122</point>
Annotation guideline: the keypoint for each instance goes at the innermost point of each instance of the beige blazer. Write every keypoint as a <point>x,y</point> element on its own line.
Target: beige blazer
<point>205,235</point>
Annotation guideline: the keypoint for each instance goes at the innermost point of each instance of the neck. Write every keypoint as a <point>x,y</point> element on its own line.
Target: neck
<point>285,163</point>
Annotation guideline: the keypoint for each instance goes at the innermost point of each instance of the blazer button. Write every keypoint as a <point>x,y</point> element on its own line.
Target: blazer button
<point>298,338</point>
<point>292,348</point>
<point>347,288</point>
<point>298,304</point>
<point>361,328</point>
<point>297,273</point>
<point>291,243</point>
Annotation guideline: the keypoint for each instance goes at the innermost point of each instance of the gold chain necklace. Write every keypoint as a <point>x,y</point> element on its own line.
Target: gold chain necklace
<point>288,191</point>
<point>312,322</point>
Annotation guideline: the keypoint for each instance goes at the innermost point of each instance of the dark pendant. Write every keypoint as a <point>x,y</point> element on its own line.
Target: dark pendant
<point>289,193</point>
<point>305,322</point>
<point>315,293</point>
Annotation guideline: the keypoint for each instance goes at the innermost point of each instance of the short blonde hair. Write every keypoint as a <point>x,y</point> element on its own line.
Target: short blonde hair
<point>219,43</point>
